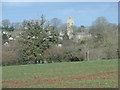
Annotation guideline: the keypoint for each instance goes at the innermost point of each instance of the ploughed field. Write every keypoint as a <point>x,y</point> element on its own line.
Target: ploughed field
<point>85,74</point>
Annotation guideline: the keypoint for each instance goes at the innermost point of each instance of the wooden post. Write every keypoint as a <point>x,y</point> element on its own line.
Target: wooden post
<point>118,52</point>
<point>88,55</point>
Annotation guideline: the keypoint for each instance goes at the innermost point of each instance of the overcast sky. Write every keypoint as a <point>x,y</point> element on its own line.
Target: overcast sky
<point>84,13</point>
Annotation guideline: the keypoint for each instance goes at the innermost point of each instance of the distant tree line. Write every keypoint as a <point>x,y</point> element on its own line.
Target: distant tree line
<point>38,40</point>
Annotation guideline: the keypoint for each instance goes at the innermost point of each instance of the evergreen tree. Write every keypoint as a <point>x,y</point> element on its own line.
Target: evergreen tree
<point>35,39</point>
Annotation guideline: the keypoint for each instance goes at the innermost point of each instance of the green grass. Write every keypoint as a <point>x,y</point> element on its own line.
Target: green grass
<point>86,74</point>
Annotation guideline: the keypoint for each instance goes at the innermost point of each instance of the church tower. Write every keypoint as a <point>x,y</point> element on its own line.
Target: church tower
<point>70,23</point>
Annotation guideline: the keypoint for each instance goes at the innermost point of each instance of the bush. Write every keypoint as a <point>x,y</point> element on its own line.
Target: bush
<point>9,58</point>
<point>11,54</point>
<point>68,52</point>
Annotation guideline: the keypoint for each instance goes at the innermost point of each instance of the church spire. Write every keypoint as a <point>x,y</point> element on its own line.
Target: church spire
<point>70,23</point>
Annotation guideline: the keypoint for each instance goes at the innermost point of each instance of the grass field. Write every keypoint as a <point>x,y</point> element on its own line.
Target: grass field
<point>86,74</point>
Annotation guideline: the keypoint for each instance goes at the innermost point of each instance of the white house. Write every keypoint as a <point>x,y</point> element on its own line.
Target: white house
<point>82,36</point>
<point>10,39</point>
<point>59,45</point>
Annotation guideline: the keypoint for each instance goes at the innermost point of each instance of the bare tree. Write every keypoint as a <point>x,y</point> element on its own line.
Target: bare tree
<point>55,22</point>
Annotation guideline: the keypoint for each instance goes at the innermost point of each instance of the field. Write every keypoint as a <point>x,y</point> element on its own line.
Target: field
<point>85,74</point>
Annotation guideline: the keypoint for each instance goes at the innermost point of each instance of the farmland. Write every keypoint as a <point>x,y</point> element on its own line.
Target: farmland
<point>85,74</point>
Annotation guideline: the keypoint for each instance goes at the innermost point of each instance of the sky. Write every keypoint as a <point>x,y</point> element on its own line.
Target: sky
<point>84,13</point>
